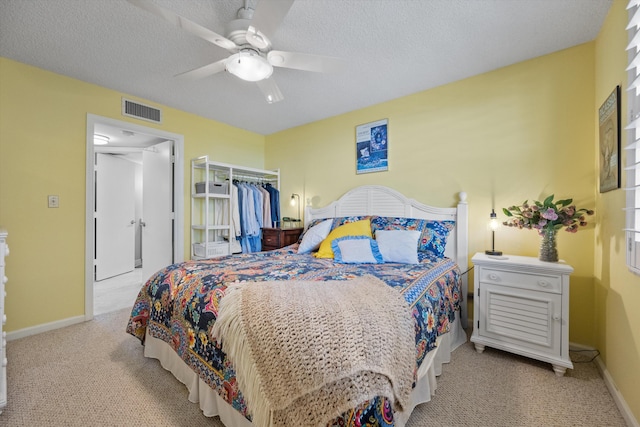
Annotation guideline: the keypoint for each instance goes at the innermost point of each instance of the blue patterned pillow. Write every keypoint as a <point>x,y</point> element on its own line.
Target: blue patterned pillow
<point>341,220</point>
<point>434,237</point>
<point>433,234</point>
<point>356,250</point>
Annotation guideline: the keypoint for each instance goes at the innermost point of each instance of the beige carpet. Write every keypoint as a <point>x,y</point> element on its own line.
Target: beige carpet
<point>94,374</point>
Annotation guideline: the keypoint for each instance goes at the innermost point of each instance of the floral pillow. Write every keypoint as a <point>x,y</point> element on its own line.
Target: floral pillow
<point>433,234</point>
<point>341,220</point>
<point>434,237</point>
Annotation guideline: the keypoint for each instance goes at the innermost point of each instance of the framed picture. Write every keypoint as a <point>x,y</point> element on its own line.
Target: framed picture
<point>372,144</point>
<point>609,121</point>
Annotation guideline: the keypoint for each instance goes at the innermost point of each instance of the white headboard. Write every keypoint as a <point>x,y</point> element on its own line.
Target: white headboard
<point>384,201</point>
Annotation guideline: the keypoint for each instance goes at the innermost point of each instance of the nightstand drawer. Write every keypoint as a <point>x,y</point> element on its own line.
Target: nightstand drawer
<point>535,282</point>
<point>271,240</point>
<point>276,238</point>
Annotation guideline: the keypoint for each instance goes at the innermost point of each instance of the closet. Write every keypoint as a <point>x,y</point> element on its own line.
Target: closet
<point>230,205</point>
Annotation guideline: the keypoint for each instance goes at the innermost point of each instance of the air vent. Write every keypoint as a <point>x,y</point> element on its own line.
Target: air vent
<point>141,111</point>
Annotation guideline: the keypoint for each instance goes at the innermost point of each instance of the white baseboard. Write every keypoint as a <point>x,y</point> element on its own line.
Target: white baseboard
<point>580,347</point>
<point>617,397</point>
<point>45,327</point>
<point>625,411</point>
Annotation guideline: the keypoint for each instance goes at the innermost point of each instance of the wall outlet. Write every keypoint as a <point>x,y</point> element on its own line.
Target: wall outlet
<point>54,201</point>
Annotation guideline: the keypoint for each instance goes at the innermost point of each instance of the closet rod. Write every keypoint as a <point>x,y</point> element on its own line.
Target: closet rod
<point>255,178</point>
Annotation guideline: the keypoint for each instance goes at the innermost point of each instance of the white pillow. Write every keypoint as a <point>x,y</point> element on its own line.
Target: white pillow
<point>356,250</point>
<point>314,236</point>
<point>398,245</point>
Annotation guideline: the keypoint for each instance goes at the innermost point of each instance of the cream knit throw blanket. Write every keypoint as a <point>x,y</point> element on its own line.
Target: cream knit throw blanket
<point>307,351</point>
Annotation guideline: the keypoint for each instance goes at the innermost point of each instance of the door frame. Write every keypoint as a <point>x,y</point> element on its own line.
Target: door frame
<point>178,197</point>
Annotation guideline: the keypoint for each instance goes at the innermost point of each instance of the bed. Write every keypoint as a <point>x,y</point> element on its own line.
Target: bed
<point>176,308</point>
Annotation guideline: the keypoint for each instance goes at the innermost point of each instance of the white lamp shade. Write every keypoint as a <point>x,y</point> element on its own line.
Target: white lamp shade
<point>248,65</point>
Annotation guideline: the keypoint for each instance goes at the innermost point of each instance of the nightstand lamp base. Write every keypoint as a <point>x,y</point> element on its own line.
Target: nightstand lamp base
<point>493,226</point>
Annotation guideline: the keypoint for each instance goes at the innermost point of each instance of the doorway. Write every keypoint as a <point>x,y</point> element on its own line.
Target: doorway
<point>135,142</point>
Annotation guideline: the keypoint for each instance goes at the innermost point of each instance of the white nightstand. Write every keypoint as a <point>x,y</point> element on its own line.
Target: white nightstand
<point>521,305</point>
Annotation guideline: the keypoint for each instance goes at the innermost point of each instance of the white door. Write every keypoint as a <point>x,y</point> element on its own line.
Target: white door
<point>114,216</point>
<point>157,208</point>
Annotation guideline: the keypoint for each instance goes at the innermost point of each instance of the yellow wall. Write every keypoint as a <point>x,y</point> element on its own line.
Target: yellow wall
<point>42,151</point>
<point>617,291</point>
<point>521,132</point>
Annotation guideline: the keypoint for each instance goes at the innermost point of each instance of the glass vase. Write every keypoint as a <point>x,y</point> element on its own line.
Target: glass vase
<point>548,249</point>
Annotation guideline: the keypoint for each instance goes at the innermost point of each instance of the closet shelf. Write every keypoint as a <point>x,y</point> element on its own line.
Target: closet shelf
<point>212,233</point>
<point>210,227</point>
<point>210,195</point>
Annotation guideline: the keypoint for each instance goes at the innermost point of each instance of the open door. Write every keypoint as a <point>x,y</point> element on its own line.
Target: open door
<point>114,216</point>
<point>157,208</point>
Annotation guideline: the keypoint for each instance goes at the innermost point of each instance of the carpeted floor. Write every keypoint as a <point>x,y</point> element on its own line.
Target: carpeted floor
<point>94,374</point>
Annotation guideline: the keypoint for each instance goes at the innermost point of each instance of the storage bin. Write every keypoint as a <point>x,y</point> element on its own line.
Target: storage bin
<point>214,187</point>
<point>211,249</point>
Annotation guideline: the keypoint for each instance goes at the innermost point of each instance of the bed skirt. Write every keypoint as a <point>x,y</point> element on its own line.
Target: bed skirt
<point>213,405</point>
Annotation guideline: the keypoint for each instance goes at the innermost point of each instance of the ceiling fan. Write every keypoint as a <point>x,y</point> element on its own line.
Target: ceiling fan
<point>248,39</point>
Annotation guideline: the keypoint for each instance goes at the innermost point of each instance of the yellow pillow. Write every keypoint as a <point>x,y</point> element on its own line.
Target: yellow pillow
<point>357,228</point>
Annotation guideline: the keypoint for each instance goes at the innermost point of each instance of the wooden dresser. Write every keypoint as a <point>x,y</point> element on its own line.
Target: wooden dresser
<point>276,238</point>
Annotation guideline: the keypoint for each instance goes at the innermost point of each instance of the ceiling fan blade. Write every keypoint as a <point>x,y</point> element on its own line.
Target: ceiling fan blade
<point>184,23</point>
<point>206,71</point>
<point>267,17</point>
<point>305,61</point>
<point>270,90</point>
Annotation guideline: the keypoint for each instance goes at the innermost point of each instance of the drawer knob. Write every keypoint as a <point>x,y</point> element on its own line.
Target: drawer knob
<point>557,317</point>
<point>494,276</point>
<point>543,283</point>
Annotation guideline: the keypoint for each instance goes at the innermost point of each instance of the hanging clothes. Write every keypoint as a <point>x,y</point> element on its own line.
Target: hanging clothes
<point>253,208</point>
<point>266,208</point>
<point>256,238</point>
<point>236,232</point>
<point>275,204</point>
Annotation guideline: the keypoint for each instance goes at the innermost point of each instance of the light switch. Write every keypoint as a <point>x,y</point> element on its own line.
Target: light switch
<point>54,201</point>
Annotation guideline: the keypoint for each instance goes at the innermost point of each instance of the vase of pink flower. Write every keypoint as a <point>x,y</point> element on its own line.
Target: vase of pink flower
<point>547,217</point>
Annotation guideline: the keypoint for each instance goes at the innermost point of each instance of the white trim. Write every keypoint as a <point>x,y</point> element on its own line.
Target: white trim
<point>178,197</point>
<point>44,327</point>
<point>580,347</point>
<point>625,411</point>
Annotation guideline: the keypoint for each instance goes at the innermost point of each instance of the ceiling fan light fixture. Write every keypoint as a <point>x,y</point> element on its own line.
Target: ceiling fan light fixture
<point>249,65</point>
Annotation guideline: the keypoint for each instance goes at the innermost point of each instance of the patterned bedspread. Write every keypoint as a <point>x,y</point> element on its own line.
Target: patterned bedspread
<point>179,305</point>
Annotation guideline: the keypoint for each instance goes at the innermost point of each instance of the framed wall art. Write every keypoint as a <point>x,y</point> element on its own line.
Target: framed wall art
<point>609,137</point>
<point>372,145</point>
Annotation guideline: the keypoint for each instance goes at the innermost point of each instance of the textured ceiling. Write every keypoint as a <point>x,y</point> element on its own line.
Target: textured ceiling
<point>392,48</point>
